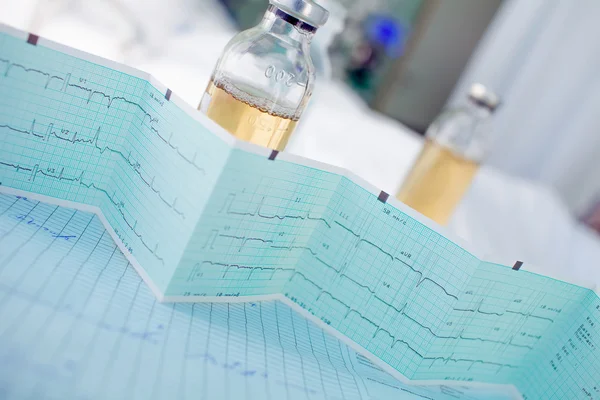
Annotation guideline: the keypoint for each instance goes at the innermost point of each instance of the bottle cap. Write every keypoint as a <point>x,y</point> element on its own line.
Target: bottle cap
<point>305,10</point>
<point>484,97</point>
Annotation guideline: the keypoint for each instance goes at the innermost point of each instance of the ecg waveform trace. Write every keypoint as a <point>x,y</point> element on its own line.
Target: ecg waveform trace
<point>228,204</point>
<point>401,311</point>
<point>66,80</point>
<point>394,339</point>
<point>111,99</point>
<point>227,207</point>
<point>394,258</point>
<point>91,185</point>
<point>480,311</point>
<point>196,272</point>
<point>135,165</point>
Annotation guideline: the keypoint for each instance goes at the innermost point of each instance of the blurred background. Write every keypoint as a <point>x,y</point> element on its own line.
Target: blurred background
<point>386,69</point>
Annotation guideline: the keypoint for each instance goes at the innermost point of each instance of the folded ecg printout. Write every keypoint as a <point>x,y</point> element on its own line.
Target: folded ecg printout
<point>145,253</point>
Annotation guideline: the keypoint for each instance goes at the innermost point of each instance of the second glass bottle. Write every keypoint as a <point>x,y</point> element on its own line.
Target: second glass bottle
<point>456,144</point>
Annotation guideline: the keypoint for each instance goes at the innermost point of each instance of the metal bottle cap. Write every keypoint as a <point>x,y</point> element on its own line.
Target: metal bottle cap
<point>305,10</point>
<point>483,96</point>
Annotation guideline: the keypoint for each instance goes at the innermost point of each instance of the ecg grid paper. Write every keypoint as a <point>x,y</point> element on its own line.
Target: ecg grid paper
<point>78,322</point>
<point>203,217</point>
<point>63,121</point>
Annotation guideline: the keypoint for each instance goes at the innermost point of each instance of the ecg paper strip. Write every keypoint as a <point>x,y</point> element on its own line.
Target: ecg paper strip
<point>78,322</point>
<point>203,217</point>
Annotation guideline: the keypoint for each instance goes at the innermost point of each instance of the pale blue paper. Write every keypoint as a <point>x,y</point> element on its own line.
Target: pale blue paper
<point>205,218</point>
<point>79,323</point>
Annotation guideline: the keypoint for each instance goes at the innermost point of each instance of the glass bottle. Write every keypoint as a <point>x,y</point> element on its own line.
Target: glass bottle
<point>455,145</point>
<point>265,76</point>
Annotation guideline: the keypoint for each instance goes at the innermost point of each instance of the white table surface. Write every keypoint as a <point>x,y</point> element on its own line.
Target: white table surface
<point>501,216</point>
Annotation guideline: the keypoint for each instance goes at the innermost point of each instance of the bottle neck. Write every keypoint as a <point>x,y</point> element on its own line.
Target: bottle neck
<point>279,23</point>
<point>464,130</point>
<point>479,111</point>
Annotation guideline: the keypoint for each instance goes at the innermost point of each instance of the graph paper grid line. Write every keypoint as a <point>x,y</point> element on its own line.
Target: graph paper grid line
<point>205,218</point>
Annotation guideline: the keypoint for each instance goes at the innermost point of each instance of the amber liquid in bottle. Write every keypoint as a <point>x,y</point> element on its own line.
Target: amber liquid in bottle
<point>248,117</point>
<point>437,182</point>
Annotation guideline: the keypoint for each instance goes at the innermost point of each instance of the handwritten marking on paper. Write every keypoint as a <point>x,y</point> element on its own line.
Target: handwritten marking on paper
<point>31,221</point>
